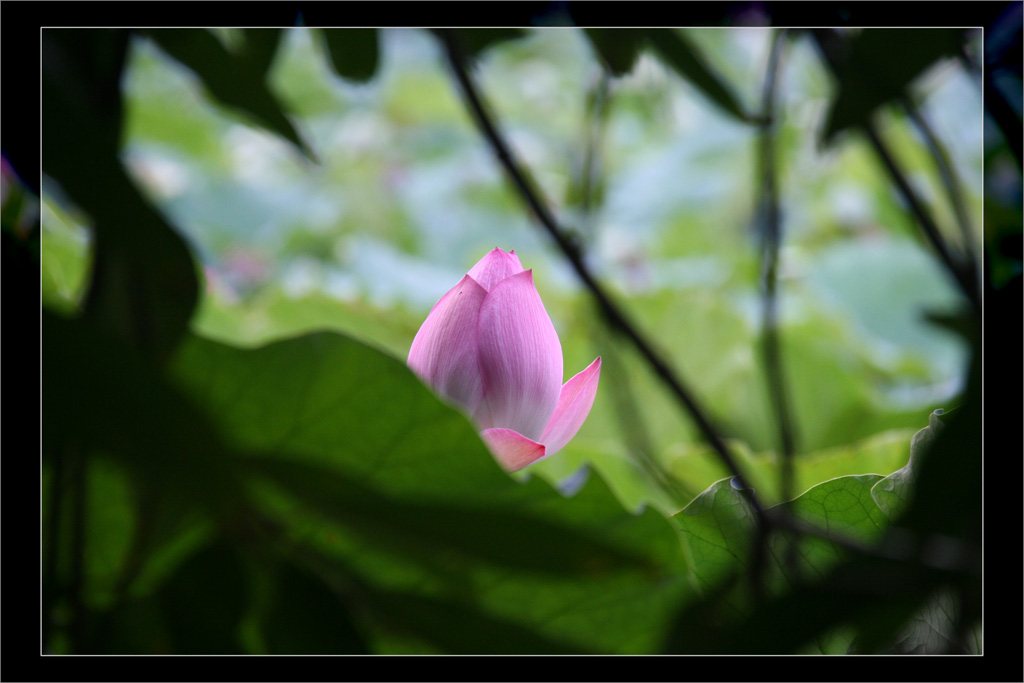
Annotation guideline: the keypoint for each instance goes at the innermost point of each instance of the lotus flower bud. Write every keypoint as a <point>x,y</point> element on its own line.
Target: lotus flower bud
<point>488,346</point>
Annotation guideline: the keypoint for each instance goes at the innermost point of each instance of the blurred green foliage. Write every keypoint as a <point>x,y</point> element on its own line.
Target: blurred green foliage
<point>236,460</point>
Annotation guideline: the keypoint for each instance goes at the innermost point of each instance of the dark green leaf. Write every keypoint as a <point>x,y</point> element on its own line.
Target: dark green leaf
<point>99,393</point>
<point>892,493</point>
<point>312,401</point>
<point>373,471</point>
<point>937,527</point>
<point>143,284</point>
<point>133,627</point>
<point>111,524</point>
<point>506,538</point>
<point>946,497</point>
<point>204,602</point>
<point>682,56</point>
<point>934,628</point>
<point>82,80</point>
<point>308,617</point>
<point>231,79</point>
<point>618,48</point>
<point>456,626</point>
<point>260,48</point>
<point>697,628</point>
<point>877,65</point>
<point>318,398</point>
<point>717,527</point>
<point>842,507</point>
<point>865,592</point>
<point>353,52</point>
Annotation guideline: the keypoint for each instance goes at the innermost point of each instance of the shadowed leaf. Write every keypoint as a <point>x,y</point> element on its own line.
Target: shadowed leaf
<point>260,48</point>
<point>353,52</point>
<point>352,454</point>
<point>877,65</point>
<point>307,617</point>
<point>102,394</point>
<point>618,48</point>
<point>683,57</point>
<point>143,283</point>
<point>204,601</point>
<point>234,81</point>
<point>506,538</point>
<point>456,627</point>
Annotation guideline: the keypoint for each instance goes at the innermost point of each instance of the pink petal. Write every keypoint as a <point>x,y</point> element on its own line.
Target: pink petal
<point>573,407</point>
<point>444,351</point>
<point>513,450</point>
<point>520,358</point>
<point>495,267</point>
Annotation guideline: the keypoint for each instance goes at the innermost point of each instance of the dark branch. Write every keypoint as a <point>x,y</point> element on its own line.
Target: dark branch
<point>947,173</point>
<point>771,222</point>
<point>964,273</point>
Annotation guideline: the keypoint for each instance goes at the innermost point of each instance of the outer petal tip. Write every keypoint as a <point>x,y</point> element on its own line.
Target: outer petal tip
<point>511,449</point>
<point>574,404</point>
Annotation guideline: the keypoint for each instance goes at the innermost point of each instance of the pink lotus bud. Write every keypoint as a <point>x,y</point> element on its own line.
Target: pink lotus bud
<point>489,347</point>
